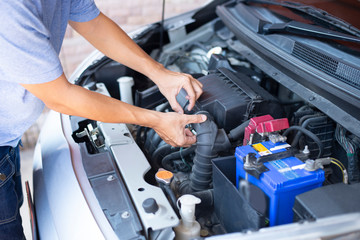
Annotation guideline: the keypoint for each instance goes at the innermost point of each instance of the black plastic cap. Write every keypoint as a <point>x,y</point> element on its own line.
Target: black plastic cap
<point>150,205</point>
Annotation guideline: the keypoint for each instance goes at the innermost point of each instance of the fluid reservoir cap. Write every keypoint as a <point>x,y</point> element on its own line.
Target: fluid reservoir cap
<point>150,205</point>
<point>187,209</point>
<point>164,176</point>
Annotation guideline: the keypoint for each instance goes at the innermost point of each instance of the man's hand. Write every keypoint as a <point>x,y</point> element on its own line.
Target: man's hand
<point>170,83</point>
<point>173,131</point>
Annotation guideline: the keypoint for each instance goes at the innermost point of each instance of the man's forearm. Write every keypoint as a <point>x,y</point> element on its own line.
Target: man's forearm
<point>111,40</point>
<point>74,100</point>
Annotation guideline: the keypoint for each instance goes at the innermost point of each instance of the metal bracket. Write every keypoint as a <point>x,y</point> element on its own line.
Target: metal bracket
<point>133,165</point>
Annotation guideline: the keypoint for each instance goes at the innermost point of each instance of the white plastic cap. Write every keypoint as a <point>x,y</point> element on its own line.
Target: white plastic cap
<point>125,87</point>
<point>187,210</point>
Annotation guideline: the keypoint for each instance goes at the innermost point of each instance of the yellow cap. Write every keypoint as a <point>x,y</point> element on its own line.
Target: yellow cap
<point>164,175</point>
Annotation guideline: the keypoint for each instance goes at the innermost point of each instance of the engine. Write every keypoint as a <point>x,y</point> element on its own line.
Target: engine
<point>260,149</point>
<point>270,151</point>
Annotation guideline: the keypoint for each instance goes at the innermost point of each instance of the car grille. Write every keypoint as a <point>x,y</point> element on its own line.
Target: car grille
<point>332,67</point>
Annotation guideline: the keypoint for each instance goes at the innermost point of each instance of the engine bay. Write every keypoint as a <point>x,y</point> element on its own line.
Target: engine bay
<point>261,155</point>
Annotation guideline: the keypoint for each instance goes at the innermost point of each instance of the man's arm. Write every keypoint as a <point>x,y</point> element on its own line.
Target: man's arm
<point>110,39</point>
<point>67,98</point>
<point>104,34</point>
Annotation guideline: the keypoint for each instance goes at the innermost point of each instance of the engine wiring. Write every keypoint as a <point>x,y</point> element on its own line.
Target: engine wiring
<point>183,159</point>
<point>346,143</point>
<point>342,168</point>
<point>351,151</point>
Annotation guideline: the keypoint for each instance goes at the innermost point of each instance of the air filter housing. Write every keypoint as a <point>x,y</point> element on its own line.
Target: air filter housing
<point>232,98</point>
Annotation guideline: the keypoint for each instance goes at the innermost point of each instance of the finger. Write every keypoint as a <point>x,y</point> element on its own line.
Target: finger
<point>195,118</point>
<point>188,132</point>
<point>198,83</point>
<point>194,80</point>
<point>198,90</point>
<point>189,140</point>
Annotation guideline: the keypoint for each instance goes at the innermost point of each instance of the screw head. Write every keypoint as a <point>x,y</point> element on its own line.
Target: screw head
<point>125,215</point>
<point>110,178</point>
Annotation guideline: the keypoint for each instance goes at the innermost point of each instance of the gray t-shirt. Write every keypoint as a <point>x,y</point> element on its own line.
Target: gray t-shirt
<point>31,34</point>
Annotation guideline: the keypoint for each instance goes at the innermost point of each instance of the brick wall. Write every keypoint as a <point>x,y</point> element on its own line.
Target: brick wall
<point>129,14</point>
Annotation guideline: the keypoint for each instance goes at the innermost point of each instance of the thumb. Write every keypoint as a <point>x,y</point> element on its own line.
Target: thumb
<point>195,118</point>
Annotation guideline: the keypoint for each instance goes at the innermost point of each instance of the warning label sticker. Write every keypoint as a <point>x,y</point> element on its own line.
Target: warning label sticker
<point>261,149</point>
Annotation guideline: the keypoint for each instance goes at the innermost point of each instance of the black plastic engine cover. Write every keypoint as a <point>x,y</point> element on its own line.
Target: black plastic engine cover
<point>327,201</point>
<point>232,98</point>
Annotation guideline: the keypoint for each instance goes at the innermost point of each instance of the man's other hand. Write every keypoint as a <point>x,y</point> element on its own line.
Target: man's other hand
<point>170,83</point>
<point>173,131</point>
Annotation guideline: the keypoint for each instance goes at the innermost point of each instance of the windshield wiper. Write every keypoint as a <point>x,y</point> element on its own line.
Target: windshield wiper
<point>314,12</point>
<point>304,29</point>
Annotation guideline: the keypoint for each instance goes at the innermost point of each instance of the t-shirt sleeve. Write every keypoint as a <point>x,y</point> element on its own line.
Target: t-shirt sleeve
<point>26,55</point>
<point>83,10</point>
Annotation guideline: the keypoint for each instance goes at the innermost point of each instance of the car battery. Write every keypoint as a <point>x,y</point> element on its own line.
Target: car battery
<point>283,179</point>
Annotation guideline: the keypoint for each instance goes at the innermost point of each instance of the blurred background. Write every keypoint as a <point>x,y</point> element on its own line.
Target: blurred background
<point>130,15</point>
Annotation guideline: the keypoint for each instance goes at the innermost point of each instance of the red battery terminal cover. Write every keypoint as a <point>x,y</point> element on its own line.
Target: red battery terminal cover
<point>263,125</point>
<point>273,125</point>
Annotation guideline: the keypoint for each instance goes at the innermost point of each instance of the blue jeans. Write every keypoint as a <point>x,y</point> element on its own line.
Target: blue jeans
<point>11,197</point>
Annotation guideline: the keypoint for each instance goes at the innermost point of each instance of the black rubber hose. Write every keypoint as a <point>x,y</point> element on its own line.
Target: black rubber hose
<point>305,124</point>
<point>210,141</point>
<point>166,161</point>
<point>306,117</point>
<point>201,176</point>
<point>238,132</point>
<point>206,196</point>
<point>172,197</point>
<point>154,143</point>
<point>309,134</point>
<point>149,136</point>
<point>302,112</point>
<point>139,138</point>
<point>161,152</point>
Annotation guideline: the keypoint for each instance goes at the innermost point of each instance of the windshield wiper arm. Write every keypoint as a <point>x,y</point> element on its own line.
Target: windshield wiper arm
<point>304,29</point>
<point>314,12</point>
